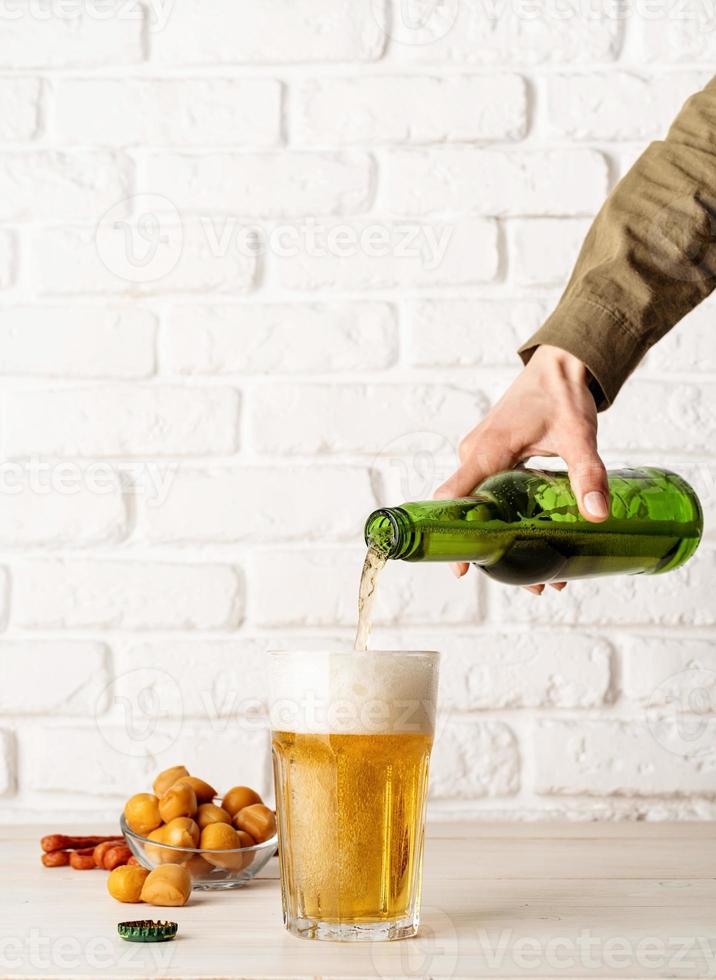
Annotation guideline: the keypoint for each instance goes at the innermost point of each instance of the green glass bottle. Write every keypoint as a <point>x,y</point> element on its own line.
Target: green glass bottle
<point>523,527</point>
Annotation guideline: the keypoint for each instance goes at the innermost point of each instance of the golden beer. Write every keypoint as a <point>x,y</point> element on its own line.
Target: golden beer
<point>354,816</point>
<point>351,798</point>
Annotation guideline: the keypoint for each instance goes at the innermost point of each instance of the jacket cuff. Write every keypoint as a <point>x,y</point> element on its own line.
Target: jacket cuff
<point>601,340</point>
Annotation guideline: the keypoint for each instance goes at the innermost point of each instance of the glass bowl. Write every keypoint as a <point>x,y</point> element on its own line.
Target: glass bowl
<point>208,869</point>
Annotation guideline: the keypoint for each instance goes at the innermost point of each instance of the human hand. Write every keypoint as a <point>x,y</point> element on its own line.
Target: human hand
<point>547,411</point>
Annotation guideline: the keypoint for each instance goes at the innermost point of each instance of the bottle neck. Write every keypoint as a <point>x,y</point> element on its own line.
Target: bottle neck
<point>437,530</point>
<point>391,532</point>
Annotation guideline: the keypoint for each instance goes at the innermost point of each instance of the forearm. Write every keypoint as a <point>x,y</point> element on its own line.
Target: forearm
<point>649,256</point>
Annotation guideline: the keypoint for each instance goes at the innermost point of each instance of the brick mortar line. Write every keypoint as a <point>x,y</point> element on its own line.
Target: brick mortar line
<point>154,70</point>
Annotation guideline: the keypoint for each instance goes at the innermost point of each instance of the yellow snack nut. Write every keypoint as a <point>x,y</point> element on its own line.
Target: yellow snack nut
<point>168,885</point>
<point>141,812</point>
<point>205,792</point>
<point>238,797</point>
<point>126,883</point>
<point>256,820</point>
<point>181,832</point>
<point>246,840</point>
<point>221,837</point>
<point>210,813</point>
<point>166,779</point>
<point>153,852</point>
<point>179,801</point>
<point>168,855</point>
<point>199,867</point>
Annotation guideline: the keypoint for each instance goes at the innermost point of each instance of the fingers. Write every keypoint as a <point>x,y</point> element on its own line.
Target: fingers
<point>588,476</point>
<point>477,465</point>
<point>539,589</point>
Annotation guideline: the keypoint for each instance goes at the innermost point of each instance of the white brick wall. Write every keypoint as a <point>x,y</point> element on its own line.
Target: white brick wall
<point>396,109</point>
<point>617,105</point>
<point>175,112</point>
<point>83,594</point>
<point>283,338</point>
<point>235,32</point>
<point>19,108</point>
<point>65,186</point>
<point>277,184</point>
<point>109,341</point>
<point>73,36</point>
<point>261,266</point>
<point>494,181</point>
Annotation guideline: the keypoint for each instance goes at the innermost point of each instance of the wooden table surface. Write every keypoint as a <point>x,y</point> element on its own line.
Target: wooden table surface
<point>500,900</point>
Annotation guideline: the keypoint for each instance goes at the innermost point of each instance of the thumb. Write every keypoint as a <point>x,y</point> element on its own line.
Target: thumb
<point>588,476</point>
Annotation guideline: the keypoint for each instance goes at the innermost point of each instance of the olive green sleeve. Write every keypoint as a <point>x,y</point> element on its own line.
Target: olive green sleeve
<point>648,258</point>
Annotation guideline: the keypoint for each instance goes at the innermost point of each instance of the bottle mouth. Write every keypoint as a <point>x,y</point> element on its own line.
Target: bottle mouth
<point>383,532</point>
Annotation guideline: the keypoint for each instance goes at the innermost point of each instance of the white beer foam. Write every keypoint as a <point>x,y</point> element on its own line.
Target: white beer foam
<point>372,693</point>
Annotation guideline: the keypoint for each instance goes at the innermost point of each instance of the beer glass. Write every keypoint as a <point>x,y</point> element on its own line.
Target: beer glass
<point>351,735</point>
